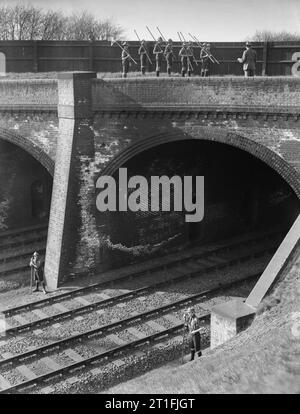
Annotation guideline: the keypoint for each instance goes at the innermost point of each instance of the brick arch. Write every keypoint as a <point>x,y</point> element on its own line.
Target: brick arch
<point>27,145</point>
<point>260,151</point>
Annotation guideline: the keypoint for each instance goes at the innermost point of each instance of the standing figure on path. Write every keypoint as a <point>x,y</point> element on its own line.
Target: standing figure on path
<point>205,60</point>
<point>192,324</point>
<point>169,56</point>
<point>158,52</point>
<point>143,56</point>
<point>183,53</point>
<point>37,271</point>
<point>125,59</point>
<point>248,60</point>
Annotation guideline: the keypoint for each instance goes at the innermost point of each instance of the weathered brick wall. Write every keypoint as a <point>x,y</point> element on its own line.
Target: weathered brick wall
<point>28,92</point>
<point>28,117</point>
<point>177,92</point>
<point>122,118</point>
<point>260,116</point>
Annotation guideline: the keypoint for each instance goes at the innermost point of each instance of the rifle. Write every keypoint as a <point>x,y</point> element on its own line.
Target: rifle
<point>121,47</point>
<point>31,278</point>
<point>209,54</point>
<point>188,59</point>
<point>155,40</point>
<point>164,39</point>
<point>191,50</point>
<point>143,46</point>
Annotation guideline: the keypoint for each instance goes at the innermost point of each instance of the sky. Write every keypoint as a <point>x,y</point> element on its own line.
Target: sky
<point>210,20</point>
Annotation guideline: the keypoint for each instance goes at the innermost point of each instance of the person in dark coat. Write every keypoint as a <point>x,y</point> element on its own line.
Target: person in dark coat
<point>248,60</point>
<point>192,325</point>
<point>37,271</point>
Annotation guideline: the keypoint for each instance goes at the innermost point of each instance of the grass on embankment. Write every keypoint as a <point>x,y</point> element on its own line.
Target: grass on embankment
<point>263,359</point>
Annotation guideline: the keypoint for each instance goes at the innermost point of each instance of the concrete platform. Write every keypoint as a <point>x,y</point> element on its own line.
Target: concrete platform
<point>228,319</point>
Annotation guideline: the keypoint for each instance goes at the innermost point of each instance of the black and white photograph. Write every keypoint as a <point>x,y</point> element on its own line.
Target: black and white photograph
<point>149,200</point>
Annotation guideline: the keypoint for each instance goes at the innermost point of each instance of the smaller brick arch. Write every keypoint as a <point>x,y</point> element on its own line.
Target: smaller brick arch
<point>27,145</point>
<point>269,157</point>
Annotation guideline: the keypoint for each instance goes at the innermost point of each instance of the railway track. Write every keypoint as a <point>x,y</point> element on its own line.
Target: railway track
<point>156,265</point>
<point>115,351</point>
<point>187,268</point>
<point>195,270</point>
<point>17,245</point>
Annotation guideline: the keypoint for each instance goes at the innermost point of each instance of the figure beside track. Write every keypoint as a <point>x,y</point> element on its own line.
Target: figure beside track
<point>37,272</point>
<point>192,325</point>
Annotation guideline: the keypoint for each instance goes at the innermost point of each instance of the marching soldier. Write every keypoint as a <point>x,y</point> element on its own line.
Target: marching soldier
<point>190,58</point>
<point>158,52</point>
<point>143,56</point>
<point>205,61</point>
<point>192,325</point>
<point>125,59</point>
<point>183,53</point>
<point>248,60</point>
<point>37,271</point>
<point>169,56</point>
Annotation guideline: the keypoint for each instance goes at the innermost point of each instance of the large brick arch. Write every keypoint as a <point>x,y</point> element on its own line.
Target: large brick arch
<point>260,151</point>
<point>38,153</point>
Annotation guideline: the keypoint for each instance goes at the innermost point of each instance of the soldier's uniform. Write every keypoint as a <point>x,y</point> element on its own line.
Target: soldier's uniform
<point>169,56</point>
<point>125,60</point>
<point>158,52</point>
<point>190,58</point>
<point>192,323</point>
<point>38,274</point>
<point>249,60</point>
<point>205,61</point>
<point>143,56</point>
<point>183,53</point>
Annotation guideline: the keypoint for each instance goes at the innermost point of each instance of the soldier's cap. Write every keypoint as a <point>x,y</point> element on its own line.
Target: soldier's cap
<point>248,44</point>
<point>207,44</point>
<point>159,39</point>
<point>124,44</point>
<point>35,254</point>
<point>191,310</point>
<point>170,40</point>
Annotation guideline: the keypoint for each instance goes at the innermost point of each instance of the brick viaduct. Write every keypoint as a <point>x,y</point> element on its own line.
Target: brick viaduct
<point>80,127</point>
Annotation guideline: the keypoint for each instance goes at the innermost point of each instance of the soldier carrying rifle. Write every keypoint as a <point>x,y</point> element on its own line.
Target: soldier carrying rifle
<point>169,56</point>
<point>205,60</point>
<point>190,58</point>
<point>158,52</point>
<point>37,272</point>
<point>192,325</point>
<point>125,59</point>
<point>184,57</point>
<point>143,56</point>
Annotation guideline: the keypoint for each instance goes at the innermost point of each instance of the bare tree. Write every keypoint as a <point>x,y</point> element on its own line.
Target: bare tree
<point>53,26</point>
<point>26,22</point>
<point>273,36</point>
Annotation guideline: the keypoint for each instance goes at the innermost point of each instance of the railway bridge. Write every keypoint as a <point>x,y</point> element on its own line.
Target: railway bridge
<point>58,137</point>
